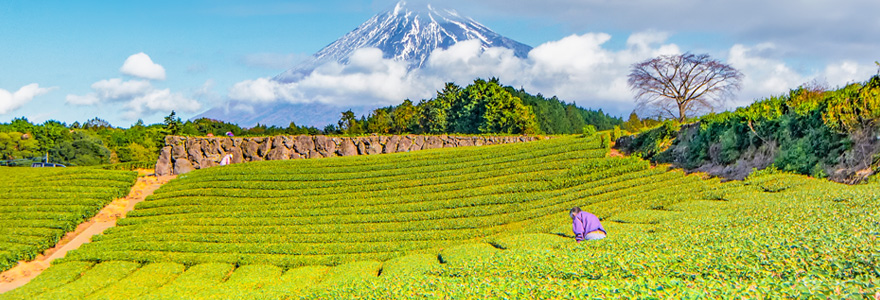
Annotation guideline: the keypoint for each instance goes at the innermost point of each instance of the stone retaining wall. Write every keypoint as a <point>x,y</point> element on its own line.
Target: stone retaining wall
<point>184,154</point>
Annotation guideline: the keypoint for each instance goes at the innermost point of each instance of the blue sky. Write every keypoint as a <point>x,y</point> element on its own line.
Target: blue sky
<point>205,48</point>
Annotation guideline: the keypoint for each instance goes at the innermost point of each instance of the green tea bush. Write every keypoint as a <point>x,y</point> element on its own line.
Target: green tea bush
<point>193,281</point>
<point>140,282</point>
<point>494,235</point>
<point>96,278</point>
<point>52,278</point>
<point>39,205</point>
<point>130,166</point>
<point>415,264</point>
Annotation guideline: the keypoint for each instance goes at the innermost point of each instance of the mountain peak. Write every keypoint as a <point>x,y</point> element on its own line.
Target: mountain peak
<point>403,8</point>
<point>399,7</point>
<point>406,33</point>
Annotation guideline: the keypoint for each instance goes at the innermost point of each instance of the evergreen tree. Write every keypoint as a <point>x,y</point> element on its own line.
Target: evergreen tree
<point>404,117</point>
<point>633,124</point>
<point>349,124</point>
<point>488,107</point>
<point>173,125</point>
<point>380,121</point>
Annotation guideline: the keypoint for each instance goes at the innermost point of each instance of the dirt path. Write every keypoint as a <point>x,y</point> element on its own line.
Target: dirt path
<point>106,218</point>
<point>615,153</point>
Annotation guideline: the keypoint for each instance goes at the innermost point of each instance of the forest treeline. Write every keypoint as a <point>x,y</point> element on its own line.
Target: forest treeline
<point>96,141</point>
<point>811,130</point>
<point>484,107</point>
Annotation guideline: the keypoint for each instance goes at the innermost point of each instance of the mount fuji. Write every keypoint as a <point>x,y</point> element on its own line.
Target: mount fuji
<point>406,33</point>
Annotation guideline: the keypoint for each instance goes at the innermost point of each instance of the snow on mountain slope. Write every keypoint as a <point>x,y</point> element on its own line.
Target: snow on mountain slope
<point>406,33</point>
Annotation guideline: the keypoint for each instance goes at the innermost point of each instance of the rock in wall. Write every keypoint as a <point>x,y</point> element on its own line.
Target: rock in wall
<point>184,154</point>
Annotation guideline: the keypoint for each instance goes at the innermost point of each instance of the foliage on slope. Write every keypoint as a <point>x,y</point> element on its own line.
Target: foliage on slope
<point>811,131</point>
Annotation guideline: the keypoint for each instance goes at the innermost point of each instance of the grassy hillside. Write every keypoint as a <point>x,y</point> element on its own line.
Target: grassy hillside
<point>475,223</point>
<point>39,205</point>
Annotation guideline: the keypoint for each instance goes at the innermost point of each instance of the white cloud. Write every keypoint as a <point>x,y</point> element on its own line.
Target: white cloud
<point>87,99</point>
<point>763,76</point>
<point>206,93</point>
<point>257,90</point>
<point>159,101</point>
<point>242,108</point>
<point>828,29</point>
<point>766,76</point>
<point>273,61</point>
<point>138,96</point>
<point>11,101</point>
<point>644,40</point>
<point>847,71</point>
<point>368,79</point>
<point>140,65</point>
<point>196,68</point>
<point>580,52</point>
<point>461,61</point>
<point>579,68</point>
<point>115,88</point>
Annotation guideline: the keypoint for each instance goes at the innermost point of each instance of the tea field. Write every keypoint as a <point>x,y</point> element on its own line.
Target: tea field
<point>478,222</point>
<point>39,205</point>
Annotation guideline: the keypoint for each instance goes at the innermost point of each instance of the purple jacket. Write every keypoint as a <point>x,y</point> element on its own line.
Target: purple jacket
<point>584,223</point>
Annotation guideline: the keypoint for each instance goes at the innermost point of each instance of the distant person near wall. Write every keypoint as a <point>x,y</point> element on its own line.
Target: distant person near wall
<point>226,160</point>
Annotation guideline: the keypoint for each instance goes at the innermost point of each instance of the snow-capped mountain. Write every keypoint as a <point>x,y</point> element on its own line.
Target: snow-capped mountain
<point>406,33</point>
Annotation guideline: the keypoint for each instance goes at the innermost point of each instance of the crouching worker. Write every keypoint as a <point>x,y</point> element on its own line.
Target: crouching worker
<point>586,225</point>
<point>226,160</point>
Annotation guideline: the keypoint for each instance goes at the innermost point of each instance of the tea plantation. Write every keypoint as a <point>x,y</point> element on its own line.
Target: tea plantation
<point>39,205</point>
<point>478,222</point>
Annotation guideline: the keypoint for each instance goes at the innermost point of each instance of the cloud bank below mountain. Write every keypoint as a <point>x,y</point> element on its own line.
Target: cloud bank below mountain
<point>580,68</point>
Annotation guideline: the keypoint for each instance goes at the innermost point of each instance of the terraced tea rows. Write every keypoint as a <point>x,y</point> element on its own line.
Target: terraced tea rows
<point>487,222</point>
<point>334,211</point>
<point>38,206</point>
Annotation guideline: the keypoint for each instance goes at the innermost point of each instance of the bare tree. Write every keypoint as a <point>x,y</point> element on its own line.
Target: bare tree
<point>681,85</point>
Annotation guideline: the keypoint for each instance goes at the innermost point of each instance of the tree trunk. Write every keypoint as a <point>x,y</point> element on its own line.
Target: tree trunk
<point>681,111</point>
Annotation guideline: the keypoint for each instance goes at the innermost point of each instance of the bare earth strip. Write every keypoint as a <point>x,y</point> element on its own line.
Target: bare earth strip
<point>615,153</point>
<point>106,218</point>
